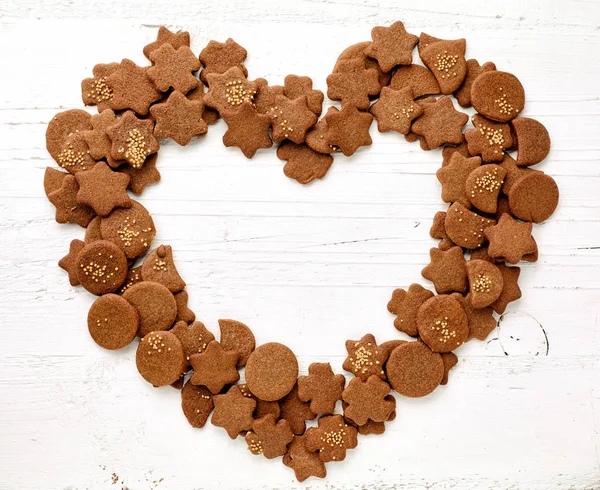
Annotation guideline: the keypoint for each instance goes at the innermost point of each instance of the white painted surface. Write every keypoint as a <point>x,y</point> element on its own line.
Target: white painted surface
<point>307,266</point>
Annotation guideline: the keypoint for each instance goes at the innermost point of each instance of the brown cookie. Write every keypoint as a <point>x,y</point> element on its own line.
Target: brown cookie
<point>265,96</point>
<point>413,370</point>
<point>101,267</point>
<point>269,437</point>
<point>75,154</point>
<point>112,322</point>
<point>510,239</point>
<point>139,178</point>
<point>365,358</point>
<point>485,283</point>
<point>481,321</point>
<point>442,323</point>
<point>219,57</point>
<point>348,129</point>
<point>417,77</point>
<point>305,463</point>
<point>295,87</point>
<point>133,277</point>
<point>61,126</point>
<point>194,338</point>
<point>446,60</point>
<point>215,367</point>
<point>263,408</point>
<point>322,388</point>
<point>318,137</point>
<point>303,163</point>
<point>534,197</point>
<point>513,173</point>
<point>158,266</point>
<point>391,46</point>
<point>155,305</point>
<point>229,90</point>
<point>448,151</point>
<point>453,178</point>
<point>488,139</point>
<point>352,84</point>
<point>483,187</point>
<point>159,358</point>
<point>367,400</point>
<point>98,142</point>
<point>291,119</point>
<point>235,336</point>
<point>132,88</point>
<point>425,40</point>
<point>184,313</point>
<point>165,36</point>
<point>510,289</point>
<point>331,438</point>
<point>405,304</point>
<point>179,118</point>
<point>197,404</point>
<point>131,229</point>
<point>447,270</point>
<point>463,94</point>
<point>233,412</point>
<point>53,180</point>
<point>438,231</point>
<point>466,228</point>
<point>102,189</point>
<point>533,141</point>
<point>396,110</point>
<point>95,91</point>
<point>247,130</point>
<point>498,95</point>
<point>172,68</point>
<point>209,115</point>
<point>295,411</point>
<point>271,371</point>
<point>357,52</point>
<point>69,262</point>
<point>132,139</point>
<point>440,123</point>
<point>450,360</point>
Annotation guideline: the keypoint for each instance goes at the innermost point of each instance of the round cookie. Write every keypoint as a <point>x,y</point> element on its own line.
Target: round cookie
<point>533,197</point>
<point>112,322</point>
<point>62,125</point>
<point>271,371</point>
<point>413,370</point>
<point>485,281</point>
<point>443,324</point>
<point>101,267</point>
<point>237,337</point>
<point>154,303</point>
<point>131,229</point>
<point>498,95</point>
<point>533,141</point>
<point>159,358</point>
<point>465,227</point>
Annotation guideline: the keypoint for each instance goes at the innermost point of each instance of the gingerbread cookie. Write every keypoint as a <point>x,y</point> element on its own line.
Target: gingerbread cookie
<point>295,411</point>
<point>396,110</point>
<point>247,130</point>
<point>534,197</point>
<point>269,437</point>
<point>69,262</point>
<point>453,178</point>
<point>303,163</point>
<point>131,229</point>
<point>440,123</point>
<point>233,412</point>
<point>95,91</point>
<point>112,322</point>
<point>197,404</point>
<point>352,84</point>
<point>172,68</point>
<point>488,139</point>
<point>305,463</point>
<point>235,336</point>
<point>510,239</point>
<point>322,388</point>
<point>405,304</point>
<point>463,94</point>
<point>295,87</point>
<point>155,305</point>
<point>365,358</point>
<point>483,187</point>
<point>102,267</point>
<point>271,371</point>
<point>438,230</point>
<point>179,118</point>
<point>159,358</point>
<point>418,78</point>
<point>132,139</point>
<point>165,36</point>
<point>158,266</point>
<point>97,140</point>
<point>533,141</point>
<point>184,313</point>
<point>219,57</point>
<point>413,370</point>
<point>331,438</point>
<point>357,52</point>
<point>510,289</point>
<point>102,189</point>
<point>498,95</point>
<point>132,88</point>
<point>139,178</point>
<point>466,228</point>
<point>368,400</point>
<point>446,60</point>
<point>485,283</point>
<point>229,90</point>
<point>391,46</point>
<point>442,323</point>
<point>194,338</point>
<point>447,270</point>
<point>75,154</point>
<point>348,129</point>
<point>481,321</point>
<point>61,126</point>
<point>291,119</point>
<point>214,367</point>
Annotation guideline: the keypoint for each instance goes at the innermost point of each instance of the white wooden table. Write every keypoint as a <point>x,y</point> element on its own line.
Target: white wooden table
<point>306,266</point>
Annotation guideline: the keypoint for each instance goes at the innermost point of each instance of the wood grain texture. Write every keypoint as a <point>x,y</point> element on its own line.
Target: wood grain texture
<point>307,266</point>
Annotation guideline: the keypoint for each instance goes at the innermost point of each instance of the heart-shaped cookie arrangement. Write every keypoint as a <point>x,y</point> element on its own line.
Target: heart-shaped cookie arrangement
<point>493,201</point>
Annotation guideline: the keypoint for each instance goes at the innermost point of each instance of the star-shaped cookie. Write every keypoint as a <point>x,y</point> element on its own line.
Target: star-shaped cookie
<point>291,119</point>
<point>447,270</point>
<point>453,178</point>
<point>352,84</point>
<point>95,91</point>
<point>69,262</point>
<point>233,412</point>
<point>489,139</point>
<point>295,411</point>
<point>463,94</point>
<point>440,123</point>
<point>348,129</point>
<point>132,139</point>
<point>215,367</point>
<point>322,388</point>
<point>102,189</point>
<point>365,358</point>
<point>396,110</point>
<point>391,46</point>
<point>132,88</point>
<point>97,139</point>
<point>172,68</point>
<point>510,239</point>
<point>178,118</point>
<point>438,231</point>
<point>269,437</point>
<point>247,130</point>
<point>331,438</point>
<point>68,210</point>
<point>229,90</point>
<point>165,36</point>
<point>303,163</point>
<point>141,177</point>
<point>295,86</point>
<point>481,321</point>
<point>510,291</point>
<point>305,463</point>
